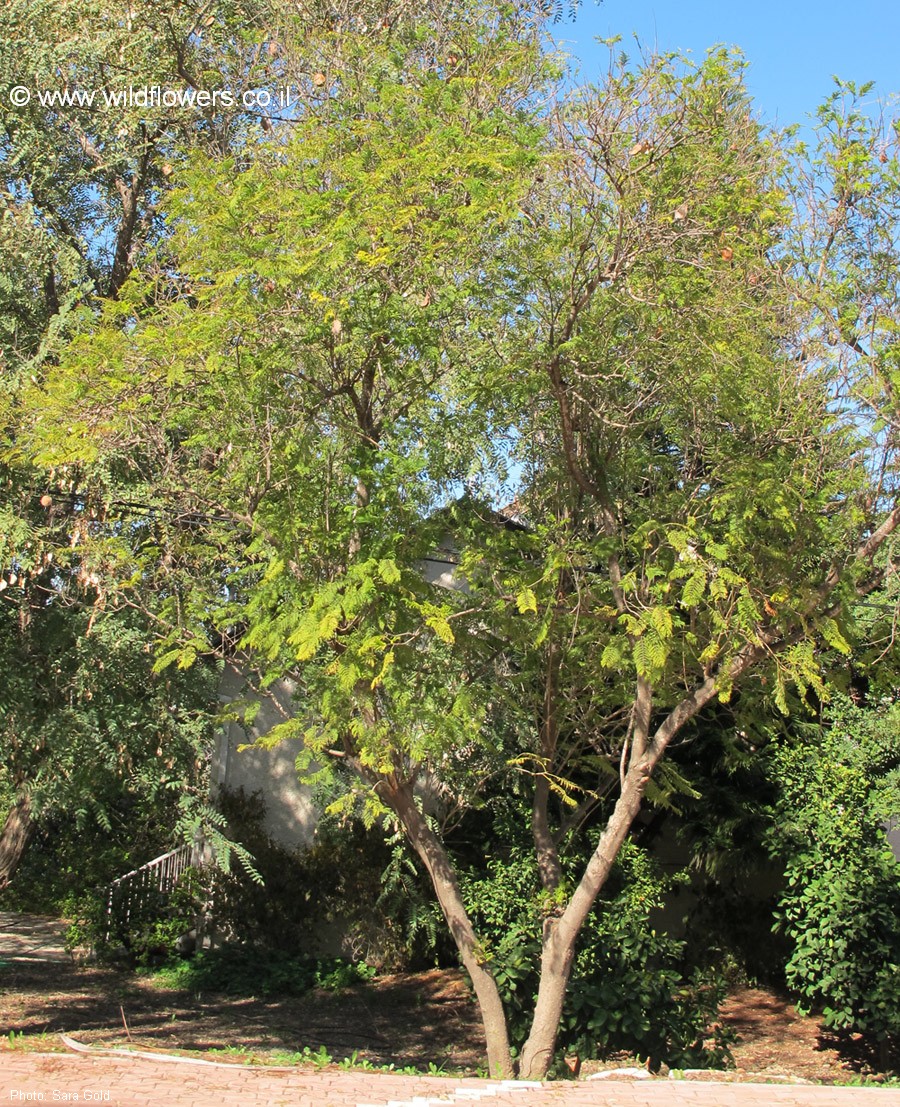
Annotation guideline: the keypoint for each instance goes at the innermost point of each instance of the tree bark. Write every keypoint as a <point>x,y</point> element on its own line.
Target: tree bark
<point>14,838</point>
<point>434,857</point>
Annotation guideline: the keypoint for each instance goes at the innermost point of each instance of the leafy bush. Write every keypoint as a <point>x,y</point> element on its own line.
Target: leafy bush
<point>841,909</point>
<point>110,752</point>
<point>348,887</point>
<point>255,971</point>
<point>69,864</point>
<point>630,989</point>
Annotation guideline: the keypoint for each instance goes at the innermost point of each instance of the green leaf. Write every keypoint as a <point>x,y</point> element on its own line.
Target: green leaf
<point>388,570</point>
<point>526,600</point>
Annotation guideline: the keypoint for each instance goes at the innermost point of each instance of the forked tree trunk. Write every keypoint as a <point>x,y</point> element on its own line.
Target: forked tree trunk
<point>431,851</point>
<point>561,933</point>
<point>14,838</point>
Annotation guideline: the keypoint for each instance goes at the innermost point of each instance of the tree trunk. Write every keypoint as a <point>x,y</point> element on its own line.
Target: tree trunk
<point>561,933</point>
<point>14,838</point>
<point>434,857</point>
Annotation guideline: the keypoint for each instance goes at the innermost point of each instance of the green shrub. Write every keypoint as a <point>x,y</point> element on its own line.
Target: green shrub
<point>841,909</point>
<point>630,989</point>
<point>348,886</point>
<point>69,864</point>
<point>255,971</point>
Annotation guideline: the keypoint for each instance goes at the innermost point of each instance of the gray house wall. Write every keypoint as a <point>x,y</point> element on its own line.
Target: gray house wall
<point>291,815</point>
<point>893,836</point>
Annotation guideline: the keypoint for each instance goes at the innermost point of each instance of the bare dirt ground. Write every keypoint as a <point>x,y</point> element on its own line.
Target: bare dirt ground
<point>417,1019</point>
<point>773,1038</point>
<point>412,1019</point>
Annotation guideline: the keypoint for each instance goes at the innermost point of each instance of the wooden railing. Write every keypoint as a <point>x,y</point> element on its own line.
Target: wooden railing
<point>130,892</point>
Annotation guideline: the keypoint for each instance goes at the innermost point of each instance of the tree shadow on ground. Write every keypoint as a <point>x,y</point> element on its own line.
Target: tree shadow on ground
<point>405,1019</point>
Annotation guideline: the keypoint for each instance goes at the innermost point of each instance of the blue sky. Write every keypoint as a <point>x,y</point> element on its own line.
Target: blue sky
<point>793,46</point>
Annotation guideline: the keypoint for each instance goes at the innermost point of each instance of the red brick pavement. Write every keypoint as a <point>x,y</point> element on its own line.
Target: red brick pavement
<point>124,1082</point>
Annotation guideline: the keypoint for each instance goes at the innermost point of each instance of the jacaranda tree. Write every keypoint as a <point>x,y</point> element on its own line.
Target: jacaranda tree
<point>439,276</point>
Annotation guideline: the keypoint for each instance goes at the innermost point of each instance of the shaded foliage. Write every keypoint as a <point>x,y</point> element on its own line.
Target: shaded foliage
<point>841,908</point>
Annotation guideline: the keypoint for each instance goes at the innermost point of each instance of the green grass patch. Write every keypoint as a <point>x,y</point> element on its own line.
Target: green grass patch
<point>250,971</point>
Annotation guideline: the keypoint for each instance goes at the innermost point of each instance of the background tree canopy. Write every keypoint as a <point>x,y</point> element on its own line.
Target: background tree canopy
<point>444,283</point>
<point>80,190</point>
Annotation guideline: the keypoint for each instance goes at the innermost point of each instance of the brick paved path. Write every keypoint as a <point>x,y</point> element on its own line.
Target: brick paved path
<point>122,1082</point>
